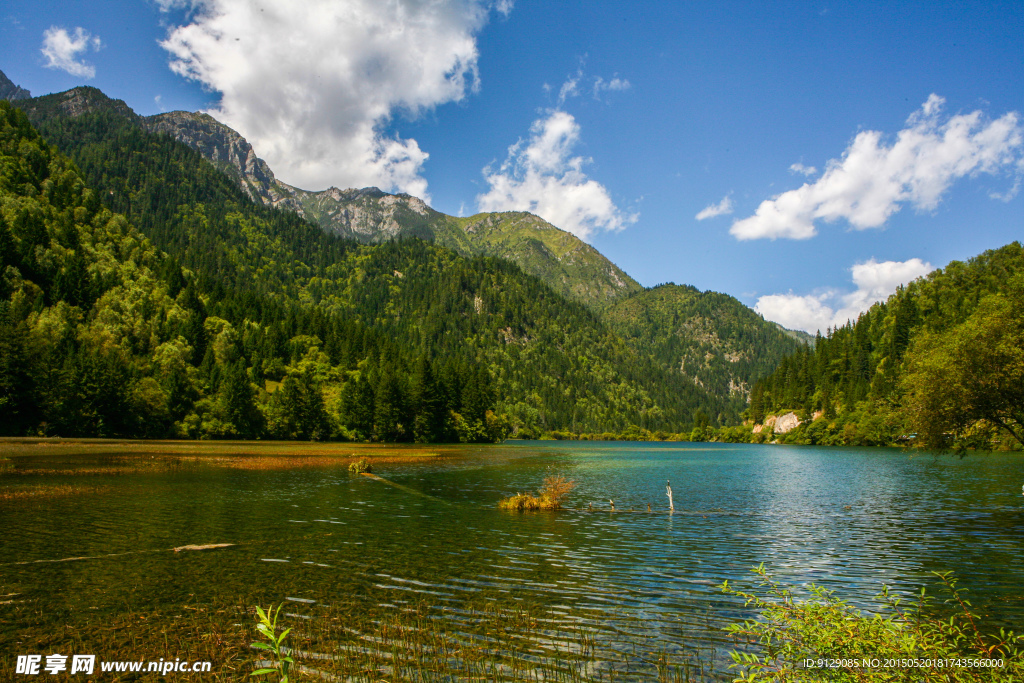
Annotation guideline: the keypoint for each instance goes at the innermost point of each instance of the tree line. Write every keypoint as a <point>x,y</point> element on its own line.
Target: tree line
<point>939,364</point>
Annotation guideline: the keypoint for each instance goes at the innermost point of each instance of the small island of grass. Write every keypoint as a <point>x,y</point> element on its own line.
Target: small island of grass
<point>549,497</point>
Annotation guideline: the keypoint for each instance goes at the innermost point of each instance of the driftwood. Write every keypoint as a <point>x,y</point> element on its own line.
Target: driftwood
<point>208,546</point>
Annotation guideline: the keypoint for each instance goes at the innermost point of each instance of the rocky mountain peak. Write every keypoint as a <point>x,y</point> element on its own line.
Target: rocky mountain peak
<point>79,101</point>
<point>10,91</point>
<point>228,151</point>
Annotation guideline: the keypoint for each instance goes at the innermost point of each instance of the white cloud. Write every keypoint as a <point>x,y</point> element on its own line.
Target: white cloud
<point>722,208</point>
<point>873,180</point>
<point>572,86</point>
<point>313,89</point>
<point>541,175</point>
<point>616,83</point>
<point>61,49</point>
<point>813,312</point>
<point>569,89</point>
<point>803,170</point>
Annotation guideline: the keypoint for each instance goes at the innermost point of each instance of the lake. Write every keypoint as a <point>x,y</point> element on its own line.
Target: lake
<point>422,563</point>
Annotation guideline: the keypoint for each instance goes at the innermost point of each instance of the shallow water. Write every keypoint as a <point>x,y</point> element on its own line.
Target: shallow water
<point>641,583</point>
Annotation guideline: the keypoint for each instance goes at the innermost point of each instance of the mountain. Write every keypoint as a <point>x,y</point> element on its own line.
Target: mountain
<point>9,91</point>
<point>228,152</point>
<point>287,304</point>
<point>710,338</point>
<point>76,102</point>
<point>369,215</point>
<point>798,335</point>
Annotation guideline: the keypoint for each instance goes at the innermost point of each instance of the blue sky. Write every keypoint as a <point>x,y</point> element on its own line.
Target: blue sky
<point>621,122</point>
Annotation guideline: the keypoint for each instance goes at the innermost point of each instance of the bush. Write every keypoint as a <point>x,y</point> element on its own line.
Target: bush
<point>789,632</point>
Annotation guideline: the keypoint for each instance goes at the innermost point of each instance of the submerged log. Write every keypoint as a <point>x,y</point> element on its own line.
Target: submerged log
<point>208,546</point>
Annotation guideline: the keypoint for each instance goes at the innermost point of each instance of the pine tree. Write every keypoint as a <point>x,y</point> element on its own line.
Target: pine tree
<point>239,401</point>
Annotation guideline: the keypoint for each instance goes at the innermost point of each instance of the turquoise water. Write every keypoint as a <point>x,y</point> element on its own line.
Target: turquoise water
<point>853,520</point>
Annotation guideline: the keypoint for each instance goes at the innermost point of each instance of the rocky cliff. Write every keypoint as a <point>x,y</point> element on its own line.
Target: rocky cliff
<point>228,151</point>
<point>9,91</point>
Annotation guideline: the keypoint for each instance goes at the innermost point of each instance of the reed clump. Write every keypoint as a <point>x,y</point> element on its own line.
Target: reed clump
<point>360,466</point>
<point>549,496</point>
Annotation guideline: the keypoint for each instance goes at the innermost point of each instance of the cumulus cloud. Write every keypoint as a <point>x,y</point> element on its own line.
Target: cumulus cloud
<point>541,175</point>
<point>722,208</point>
<point>813,312</point>
<point>873,180</point>
<point>803,170</point>
<point>314,88</point>
<point>61,50</point>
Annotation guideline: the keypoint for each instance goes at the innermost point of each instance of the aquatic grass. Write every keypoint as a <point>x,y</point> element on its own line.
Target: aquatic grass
<point>97,457</point>
<point>549,496</point>
<point>13,447</point>
<point>194,632</point>
<point>490,644</point>
<point>44,491</point>
<point>361,466</point>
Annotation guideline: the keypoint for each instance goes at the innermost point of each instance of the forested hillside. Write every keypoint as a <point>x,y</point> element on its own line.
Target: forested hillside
<point>322,336</point>
<point>570,266</point>
<point>710,338</point>
<point>102,334</point>
<point>941,364</point>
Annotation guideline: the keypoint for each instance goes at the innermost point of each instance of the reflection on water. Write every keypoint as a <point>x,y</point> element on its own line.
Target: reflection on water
<point>358,552</point>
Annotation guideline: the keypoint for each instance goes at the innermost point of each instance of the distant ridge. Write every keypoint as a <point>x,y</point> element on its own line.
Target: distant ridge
<point>711,338</point>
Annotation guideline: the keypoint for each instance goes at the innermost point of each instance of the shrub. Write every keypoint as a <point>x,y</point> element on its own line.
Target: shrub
<point>789,632</point>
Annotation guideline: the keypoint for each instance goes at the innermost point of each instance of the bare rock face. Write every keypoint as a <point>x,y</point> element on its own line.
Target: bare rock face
<point>83,100</point>
<point>9,91</point>
<point>228,151</point>
<point>367,214</point>
<point>780,424</point>
<point>786,423</point>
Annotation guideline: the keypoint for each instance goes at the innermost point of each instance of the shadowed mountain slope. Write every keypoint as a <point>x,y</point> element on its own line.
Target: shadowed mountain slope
<point>710,338</point>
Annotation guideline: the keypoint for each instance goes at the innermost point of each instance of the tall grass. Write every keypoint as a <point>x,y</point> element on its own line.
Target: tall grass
<point>549,496</point>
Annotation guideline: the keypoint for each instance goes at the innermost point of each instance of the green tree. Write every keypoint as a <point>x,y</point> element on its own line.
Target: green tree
<point>428,404</point>
<point>239,401</point>
<point>971,372</point>
<point>357,403</point>
<point>16,405</point>
<point>297,409</point>
<point>389,408</point>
